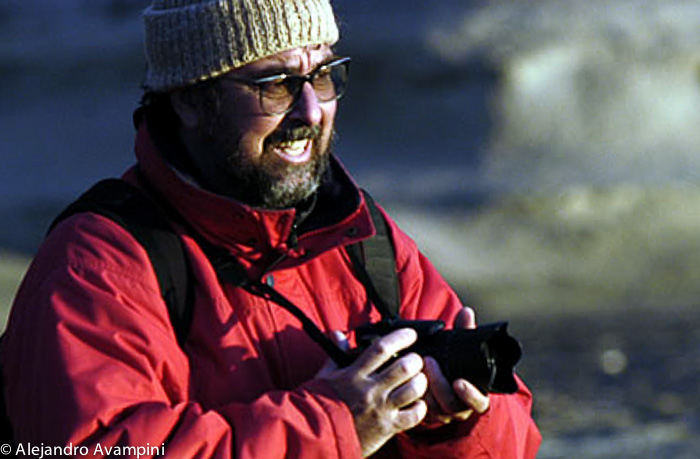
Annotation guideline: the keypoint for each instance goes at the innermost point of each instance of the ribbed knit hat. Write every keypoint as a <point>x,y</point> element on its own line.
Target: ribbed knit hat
<point>193,40</point>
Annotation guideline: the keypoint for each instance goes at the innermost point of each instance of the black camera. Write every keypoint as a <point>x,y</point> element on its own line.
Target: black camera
<point>485,356</point>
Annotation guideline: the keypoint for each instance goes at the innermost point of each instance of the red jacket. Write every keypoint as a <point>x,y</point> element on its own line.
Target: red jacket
<point>90,357</point>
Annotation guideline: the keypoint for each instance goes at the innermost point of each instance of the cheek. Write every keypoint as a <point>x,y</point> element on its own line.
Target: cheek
<point>328,119</point>
<point>240,119</point>
<point>254,131</point>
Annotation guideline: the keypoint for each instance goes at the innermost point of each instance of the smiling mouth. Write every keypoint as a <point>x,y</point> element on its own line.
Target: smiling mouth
<point>295,151</point>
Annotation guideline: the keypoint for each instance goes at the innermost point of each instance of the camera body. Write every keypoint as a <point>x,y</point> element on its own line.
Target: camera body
<point>485,356</point>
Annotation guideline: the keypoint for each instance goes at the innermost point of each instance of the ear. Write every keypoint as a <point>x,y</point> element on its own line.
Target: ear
<point>188,114</point>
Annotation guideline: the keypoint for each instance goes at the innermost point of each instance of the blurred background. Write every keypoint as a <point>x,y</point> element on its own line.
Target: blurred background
<point>543,153</point>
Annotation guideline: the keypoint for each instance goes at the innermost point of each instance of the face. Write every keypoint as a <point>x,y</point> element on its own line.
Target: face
<point>271,161</point>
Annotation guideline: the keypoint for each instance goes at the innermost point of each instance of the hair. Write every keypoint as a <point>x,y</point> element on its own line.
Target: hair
<point>156,109</point>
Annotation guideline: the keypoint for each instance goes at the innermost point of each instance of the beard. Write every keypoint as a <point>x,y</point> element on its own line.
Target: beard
<point>268,181</point>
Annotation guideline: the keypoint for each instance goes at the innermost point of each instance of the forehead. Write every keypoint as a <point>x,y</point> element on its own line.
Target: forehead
<point>297,60</point>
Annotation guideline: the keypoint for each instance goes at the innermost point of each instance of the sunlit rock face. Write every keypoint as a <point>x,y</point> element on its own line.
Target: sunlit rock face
<point>593,155</point>
<point>577,249</point>
<point>593,92</point>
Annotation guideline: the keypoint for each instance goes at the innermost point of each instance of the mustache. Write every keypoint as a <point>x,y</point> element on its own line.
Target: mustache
<point>295,133</point>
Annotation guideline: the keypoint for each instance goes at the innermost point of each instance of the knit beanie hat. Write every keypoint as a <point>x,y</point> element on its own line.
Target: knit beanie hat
<point>193,40</point>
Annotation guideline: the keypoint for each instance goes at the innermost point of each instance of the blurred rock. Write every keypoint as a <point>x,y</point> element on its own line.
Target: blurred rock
<point>599,92</point>
<point>12,268</point>
<point>578,249</point>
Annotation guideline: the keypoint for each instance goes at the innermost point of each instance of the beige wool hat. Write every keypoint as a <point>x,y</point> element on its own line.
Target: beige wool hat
<point>193,40</point>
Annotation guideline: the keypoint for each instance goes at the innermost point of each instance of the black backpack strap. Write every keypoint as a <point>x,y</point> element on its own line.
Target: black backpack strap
<point>374,261</point>
<point>127,206</point>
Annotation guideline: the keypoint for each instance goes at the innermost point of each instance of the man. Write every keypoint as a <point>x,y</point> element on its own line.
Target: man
<point>234,140</point>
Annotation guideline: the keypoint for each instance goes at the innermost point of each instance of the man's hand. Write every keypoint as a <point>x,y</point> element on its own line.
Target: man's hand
<point>456,400</point>
<point>383,400</point>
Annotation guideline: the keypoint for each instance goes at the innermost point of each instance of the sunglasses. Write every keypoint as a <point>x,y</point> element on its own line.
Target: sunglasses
<point>279,93</point>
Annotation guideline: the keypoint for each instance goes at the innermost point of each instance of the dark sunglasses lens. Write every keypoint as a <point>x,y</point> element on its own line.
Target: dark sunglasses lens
<point>340,78</point>
<point>277,96</point>
<point>329,83</point>
<point>331,80</point>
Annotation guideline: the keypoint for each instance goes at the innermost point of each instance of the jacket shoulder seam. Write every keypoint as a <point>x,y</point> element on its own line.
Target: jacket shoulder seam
<point>82,260</point>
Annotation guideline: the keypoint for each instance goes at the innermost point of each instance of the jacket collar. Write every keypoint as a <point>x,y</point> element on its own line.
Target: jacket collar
<point>261,237</point>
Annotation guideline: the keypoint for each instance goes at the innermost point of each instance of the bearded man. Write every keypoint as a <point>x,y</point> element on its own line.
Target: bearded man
<point>233,144</point>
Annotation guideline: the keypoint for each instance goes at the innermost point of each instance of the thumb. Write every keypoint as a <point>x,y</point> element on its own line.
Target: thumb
<point>465,319</point>
<point>341,341</point>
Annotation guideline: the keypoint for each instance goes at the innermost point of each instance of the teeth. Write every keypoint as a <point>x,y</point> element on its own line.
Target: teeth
<point>294,148</point>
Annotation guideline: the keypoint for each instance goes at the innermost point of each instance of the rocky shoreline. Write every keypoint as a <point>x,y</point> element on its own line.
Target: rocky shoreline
<point>621,383</point>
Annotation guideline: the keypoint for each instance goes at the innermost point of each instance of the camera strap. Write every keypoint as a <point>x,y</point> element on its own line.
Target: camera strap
<point>340,357</point>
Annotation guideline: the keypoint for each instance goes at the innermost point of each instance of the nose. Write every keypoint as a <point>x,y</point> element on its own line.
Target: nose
<point>307,107</point>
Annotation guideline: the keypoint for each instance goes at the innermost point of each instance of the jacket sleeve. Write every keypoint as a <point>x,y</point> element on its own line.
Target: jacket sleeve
<point>506,430</point>
<point>91,360</point>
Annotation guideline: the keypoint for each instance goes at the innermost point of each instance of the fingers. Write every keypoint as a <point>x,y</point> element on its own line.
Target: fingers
<point>409,392</point>
<point>404,380</point>
<point>411,416</point>
<point>468,393</point>
<point>402,369</point>
<point>448,402</point>
<point>465,318</point>
<point>456,401</point>
<point>389,394</point>
<point>383,350</point>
